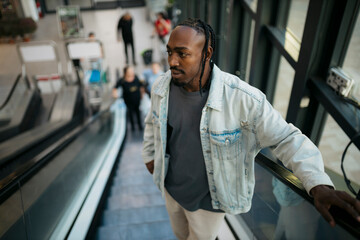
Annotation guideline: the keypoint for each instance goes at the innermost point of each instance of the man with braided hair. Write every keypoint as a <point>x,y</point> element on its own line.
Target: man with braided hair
<point>202,134</point>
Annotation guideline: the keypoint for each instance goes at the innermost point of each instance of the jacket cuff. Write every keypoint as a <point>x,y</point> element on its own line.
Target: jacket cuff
<point>147,159</point>
<point>321,179</point>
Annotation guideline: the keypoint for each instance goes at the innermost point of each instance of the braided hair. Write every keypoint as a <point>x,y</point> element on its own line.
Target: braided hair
<point>203,28</point>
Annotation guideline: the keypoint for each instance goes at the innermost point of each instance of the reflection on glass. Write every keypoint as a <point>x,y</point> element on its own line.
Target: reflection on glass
<point>297,17</point>
<point>247,73</point>
<point>278,212</point>
<point>52,195</point>
<point>332,146</point>
<point>11,218</point>
<point>283,87</point>
<point>252,4</point>
<point>51,190</point>
<point>291,205</point>
<point>352,60</point>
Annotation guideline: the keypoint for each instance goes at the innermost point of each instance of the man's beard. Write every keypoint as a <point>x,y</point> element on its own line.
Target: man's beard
<point>183,84</point>
<point>177,83</point>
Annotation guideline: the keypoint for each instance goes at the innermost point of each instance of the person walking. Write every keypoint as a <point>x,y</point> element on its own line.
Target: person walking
<point>162,30</point>
<point>162,27</point>
<point>150,75</point>
<point>125,26</point>
<point>202,134</point>
<point>132,89</point>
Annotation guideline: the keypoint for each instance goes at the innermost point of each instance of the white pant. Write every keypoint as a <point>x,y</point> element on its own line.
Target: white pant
<point>197,225</point>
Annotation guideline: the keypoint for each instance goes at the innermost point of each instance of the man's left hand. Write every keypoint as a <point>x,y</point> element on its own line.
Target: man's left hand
<point>325,197</point>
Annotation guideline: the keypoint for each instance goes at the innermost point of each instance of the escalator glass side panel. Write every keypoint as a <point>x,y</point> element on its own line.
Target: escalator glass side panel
<point>7,82</point>
<point>278,212</point>
<point>15,98</point>
<point>58,189</point>
<point>15,115</point>
<point>64,106</point>
<point>12,225</point>
<point>52,192</point>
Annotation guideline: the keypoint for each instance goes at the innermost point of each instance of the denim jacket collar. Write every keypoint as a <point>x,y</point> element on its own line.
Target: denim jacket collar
<point>215,99</point>
<point>164,83</point>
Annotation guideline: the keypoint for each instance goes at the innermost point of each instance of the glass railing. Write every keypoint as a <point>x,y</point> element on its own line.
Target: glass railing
<point>38,206</point>
<point>279,212</point>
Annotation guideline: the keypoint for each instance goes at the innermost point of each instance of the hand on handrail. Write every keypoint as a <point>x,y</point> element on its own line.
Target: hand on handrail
<point>325,197</point>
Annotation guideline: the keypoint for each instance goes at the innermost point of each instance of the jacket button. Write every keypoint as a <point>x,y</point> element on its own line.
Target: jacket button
<point>227,141</point>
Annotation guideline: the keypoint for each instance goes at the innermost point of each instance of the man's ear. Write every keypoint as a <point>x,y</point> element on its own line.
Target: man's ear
<point>210,51</point>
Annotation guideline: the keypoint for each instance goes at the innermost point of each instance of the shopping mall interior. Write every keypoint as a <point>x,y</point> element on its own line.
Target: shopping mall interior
<point>70,163</point>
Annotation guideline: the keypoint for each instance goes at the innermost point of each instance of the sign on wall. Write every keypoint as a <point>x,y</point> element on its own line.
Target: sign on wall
<point>69,21</point>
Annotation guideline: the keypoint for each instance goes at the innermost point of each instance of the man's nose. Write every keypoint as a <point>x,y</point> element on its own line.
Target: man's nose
<point>173,61</point>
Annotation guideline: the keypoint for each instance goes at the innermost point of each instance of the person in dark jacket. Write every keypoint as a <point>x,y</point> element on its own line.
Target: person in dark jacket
<point>125,25</point>
<point>132,91</point>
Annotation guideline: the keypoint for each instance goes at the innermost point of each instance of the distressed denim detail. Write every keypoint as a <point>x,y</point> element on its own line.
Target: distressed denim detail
<point>236,122</point>
<point>226,148</point>
<point>224,145</point>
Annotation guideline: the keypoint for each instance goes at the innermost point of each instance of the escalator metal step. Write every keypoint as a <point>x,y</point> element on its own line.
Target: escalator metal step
<point>134,216</point>
<point>150,231</point>
<point>134,189</point>
<point>134,201</point>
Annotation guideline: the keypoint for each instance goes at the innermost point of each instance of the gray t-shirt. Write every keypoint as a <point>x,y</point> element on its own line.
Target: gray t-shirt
<point>186,179</point>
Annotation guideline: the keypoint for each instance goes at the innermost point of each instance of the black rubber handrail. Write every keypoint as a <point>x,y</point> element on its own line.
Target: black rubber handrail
<point>13,89</point>
<point>341,217</point>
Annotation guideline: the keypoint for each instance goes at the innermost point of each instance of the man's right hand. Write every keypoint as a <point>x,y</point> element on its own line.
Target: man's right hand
<point>150,166</point>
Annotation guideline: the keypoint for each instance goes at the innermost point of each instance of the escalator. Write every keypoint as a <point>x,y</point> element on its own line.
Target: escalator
<point>134,208</point>
<point>18,104</point>
<point>58,106</point>
<point>47,169</point>
<point>25,108</point>
<point>40,112</point>
<point>49,123</point>
<point>42,197</point>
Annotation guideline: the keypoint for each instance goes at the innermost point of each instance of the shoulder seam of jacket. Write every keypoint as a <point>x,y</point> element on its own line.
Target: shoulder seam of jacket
<point>243,89</point>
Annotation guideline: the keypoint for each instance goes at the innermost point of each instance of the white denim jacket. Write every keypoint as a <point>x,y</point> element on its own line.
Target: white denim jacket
<point>236,123</point>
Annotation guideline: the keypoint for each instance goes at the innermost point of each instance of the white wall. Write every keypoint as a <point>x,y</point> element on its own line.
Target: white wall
<point>30,10</point>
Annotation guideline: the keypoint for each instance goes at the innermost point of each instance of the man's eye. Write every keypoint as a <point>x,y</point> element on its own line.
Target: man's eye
<point>183,54</point>
<point>169,53</point>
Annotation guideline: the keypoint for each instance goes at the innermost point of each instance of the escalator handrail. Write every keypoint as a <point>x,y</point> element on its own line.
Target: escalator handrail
<point>23,142</point>
<point>8,153</point>
<point>341,217</point>
<point>13,89</point>
<point>29,169</point>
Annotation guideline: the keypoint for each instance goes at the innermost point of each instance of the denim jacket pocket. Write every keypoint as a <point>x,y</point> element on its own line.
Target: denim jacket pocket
<point>225,145</point>
<point>228,165</point>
